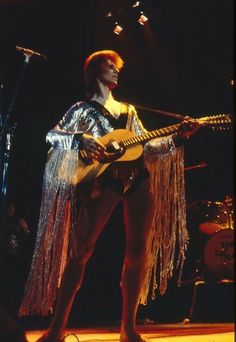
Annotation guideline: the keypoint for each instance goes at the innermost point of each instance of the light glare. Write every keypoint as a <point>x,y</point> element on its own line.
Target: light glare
<point>142,19</point>
<point>117,29</point>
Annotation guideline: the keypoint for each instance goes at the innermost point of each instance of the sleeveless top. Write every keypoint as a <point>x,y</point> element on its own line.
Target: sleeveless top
<point>122,177</point>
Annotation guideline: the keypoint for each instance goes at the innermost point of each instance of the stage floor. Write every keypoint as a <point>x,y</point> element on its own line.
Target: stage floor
<point>192,332</point>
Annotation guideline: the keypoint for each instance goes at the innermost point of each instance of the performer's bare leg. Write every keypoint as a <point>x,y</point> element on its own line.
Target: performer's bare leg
<point>138,208</point>
<point>92,219</point>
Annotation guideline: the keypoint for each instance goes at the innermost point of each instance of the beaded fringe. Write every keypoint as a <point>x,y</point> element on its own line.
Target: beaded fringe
<point>168,237</point>
<point>56,233</point>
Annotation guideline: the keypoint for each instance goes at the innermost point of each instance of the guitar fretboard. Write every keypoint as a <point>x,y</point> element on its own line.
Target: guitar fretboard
<point>150,135</point>
<point>220,122</point>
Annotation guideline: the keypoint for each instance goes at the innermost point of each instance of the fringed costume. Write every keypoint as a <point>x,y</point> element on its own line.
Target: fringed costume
<point>58,229</point>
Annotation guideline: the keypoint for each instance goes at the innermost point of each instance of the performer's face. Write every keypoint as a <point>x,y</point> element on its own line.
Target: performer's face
<point>108,74</point>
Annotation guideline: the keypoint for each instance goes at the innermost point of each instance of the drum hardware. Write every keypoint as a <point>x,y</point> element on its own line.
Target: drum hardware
<point>197,284</point>
<point>197,166</point>
<point>216,216</point>
<point>221,266</point>
<point>228,201</point>
<point>217,248</point>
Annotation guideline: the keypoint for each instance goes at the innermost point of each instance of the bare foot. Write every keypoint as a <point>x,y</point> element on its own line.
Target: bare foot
<point>132,337</point>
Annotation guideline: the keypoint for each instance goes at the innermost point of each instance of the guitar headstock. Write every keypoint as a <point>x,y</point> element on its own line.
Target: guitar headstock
<point>217,122</point>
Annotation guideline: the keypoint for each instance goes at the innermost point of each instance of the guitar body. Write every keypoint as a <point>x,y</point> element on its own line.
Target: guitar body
<point>86,172</point>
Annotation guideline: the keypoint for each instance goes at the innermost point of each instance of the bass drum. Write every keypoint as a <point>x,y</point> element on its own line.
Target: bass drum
<point>215,216</point>
<point>219,254</point>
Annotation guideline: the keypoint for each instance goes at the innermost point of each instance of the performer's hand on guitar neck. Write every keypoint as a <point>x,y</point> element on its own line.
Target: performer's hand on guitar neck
<point>188,127</point>
<point>93,146</point>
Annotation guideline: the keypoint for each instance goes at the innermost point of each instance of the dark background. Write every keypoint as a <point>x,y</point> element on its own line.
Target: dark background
<point>181,62</point>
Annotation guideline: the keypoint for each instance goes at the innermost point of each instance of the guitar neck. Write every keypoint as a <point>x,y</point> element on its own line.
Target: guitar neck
<point>151,135</point>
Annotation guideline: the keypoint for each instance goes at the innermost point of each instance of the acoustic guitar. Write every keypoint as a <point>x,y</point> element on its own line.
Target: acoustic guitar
<point>122,145</point>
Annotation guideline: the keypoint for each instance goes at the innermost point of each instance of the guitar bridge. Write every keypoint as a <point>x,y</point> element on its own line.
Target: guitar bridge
<point>113,151</point>
<point>113,147</point>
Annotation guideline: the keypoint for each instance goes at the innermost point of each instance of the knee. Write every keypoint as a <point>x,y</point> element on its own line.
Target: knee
<point>135,254</point>
<point>84,252</point>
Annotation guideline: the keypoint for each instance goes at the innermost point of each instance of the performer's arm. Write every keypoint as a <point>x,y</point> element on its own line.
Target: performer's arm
<point>66,135</point>
<point>164,144</point>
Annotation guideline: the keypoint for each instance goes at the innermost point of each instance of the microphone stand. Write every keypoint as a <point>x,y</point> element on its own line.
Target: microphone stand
<point>163,112</point>
<point>6,138</point>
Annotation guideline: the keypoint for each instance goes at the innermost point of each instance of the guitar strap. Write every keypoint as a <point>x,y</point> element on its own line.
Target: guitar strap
<point>118,123</point>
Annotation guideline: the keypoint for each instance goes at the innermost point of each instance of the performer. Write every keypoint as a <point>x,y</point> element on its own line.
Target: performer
<point>73,213</point>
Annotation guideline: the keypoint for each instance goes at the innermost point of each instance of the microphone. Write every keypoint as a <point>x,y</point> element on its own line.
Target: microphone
<point>30,53</point>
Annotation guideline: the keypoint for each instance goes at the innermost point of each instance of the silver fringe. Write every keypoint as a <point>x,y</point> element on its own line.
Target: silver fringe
<point>168,237</point>
<point>56,233</point>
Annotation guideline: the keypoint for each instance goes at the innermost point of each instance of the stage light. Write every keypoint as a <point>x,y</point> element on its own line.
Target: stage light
<point>108,15</point>
<point>136,4</point>
<point>142,19</point>
<point>117,30</point>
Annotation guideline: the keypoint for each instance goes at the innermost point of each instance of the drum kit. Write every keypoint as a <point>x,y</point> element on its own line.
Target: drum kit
<point>215,245</point>
<point>216,225</point>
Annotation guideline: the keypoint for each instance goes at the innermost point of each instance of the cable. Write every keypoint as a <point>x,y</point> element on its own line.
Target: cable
<point>93,340</point>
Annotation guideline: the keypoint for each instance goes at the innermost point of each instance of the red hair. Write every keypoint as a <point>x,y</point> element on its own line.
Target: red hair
<point>92,68</point>
<point>99,56</point>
